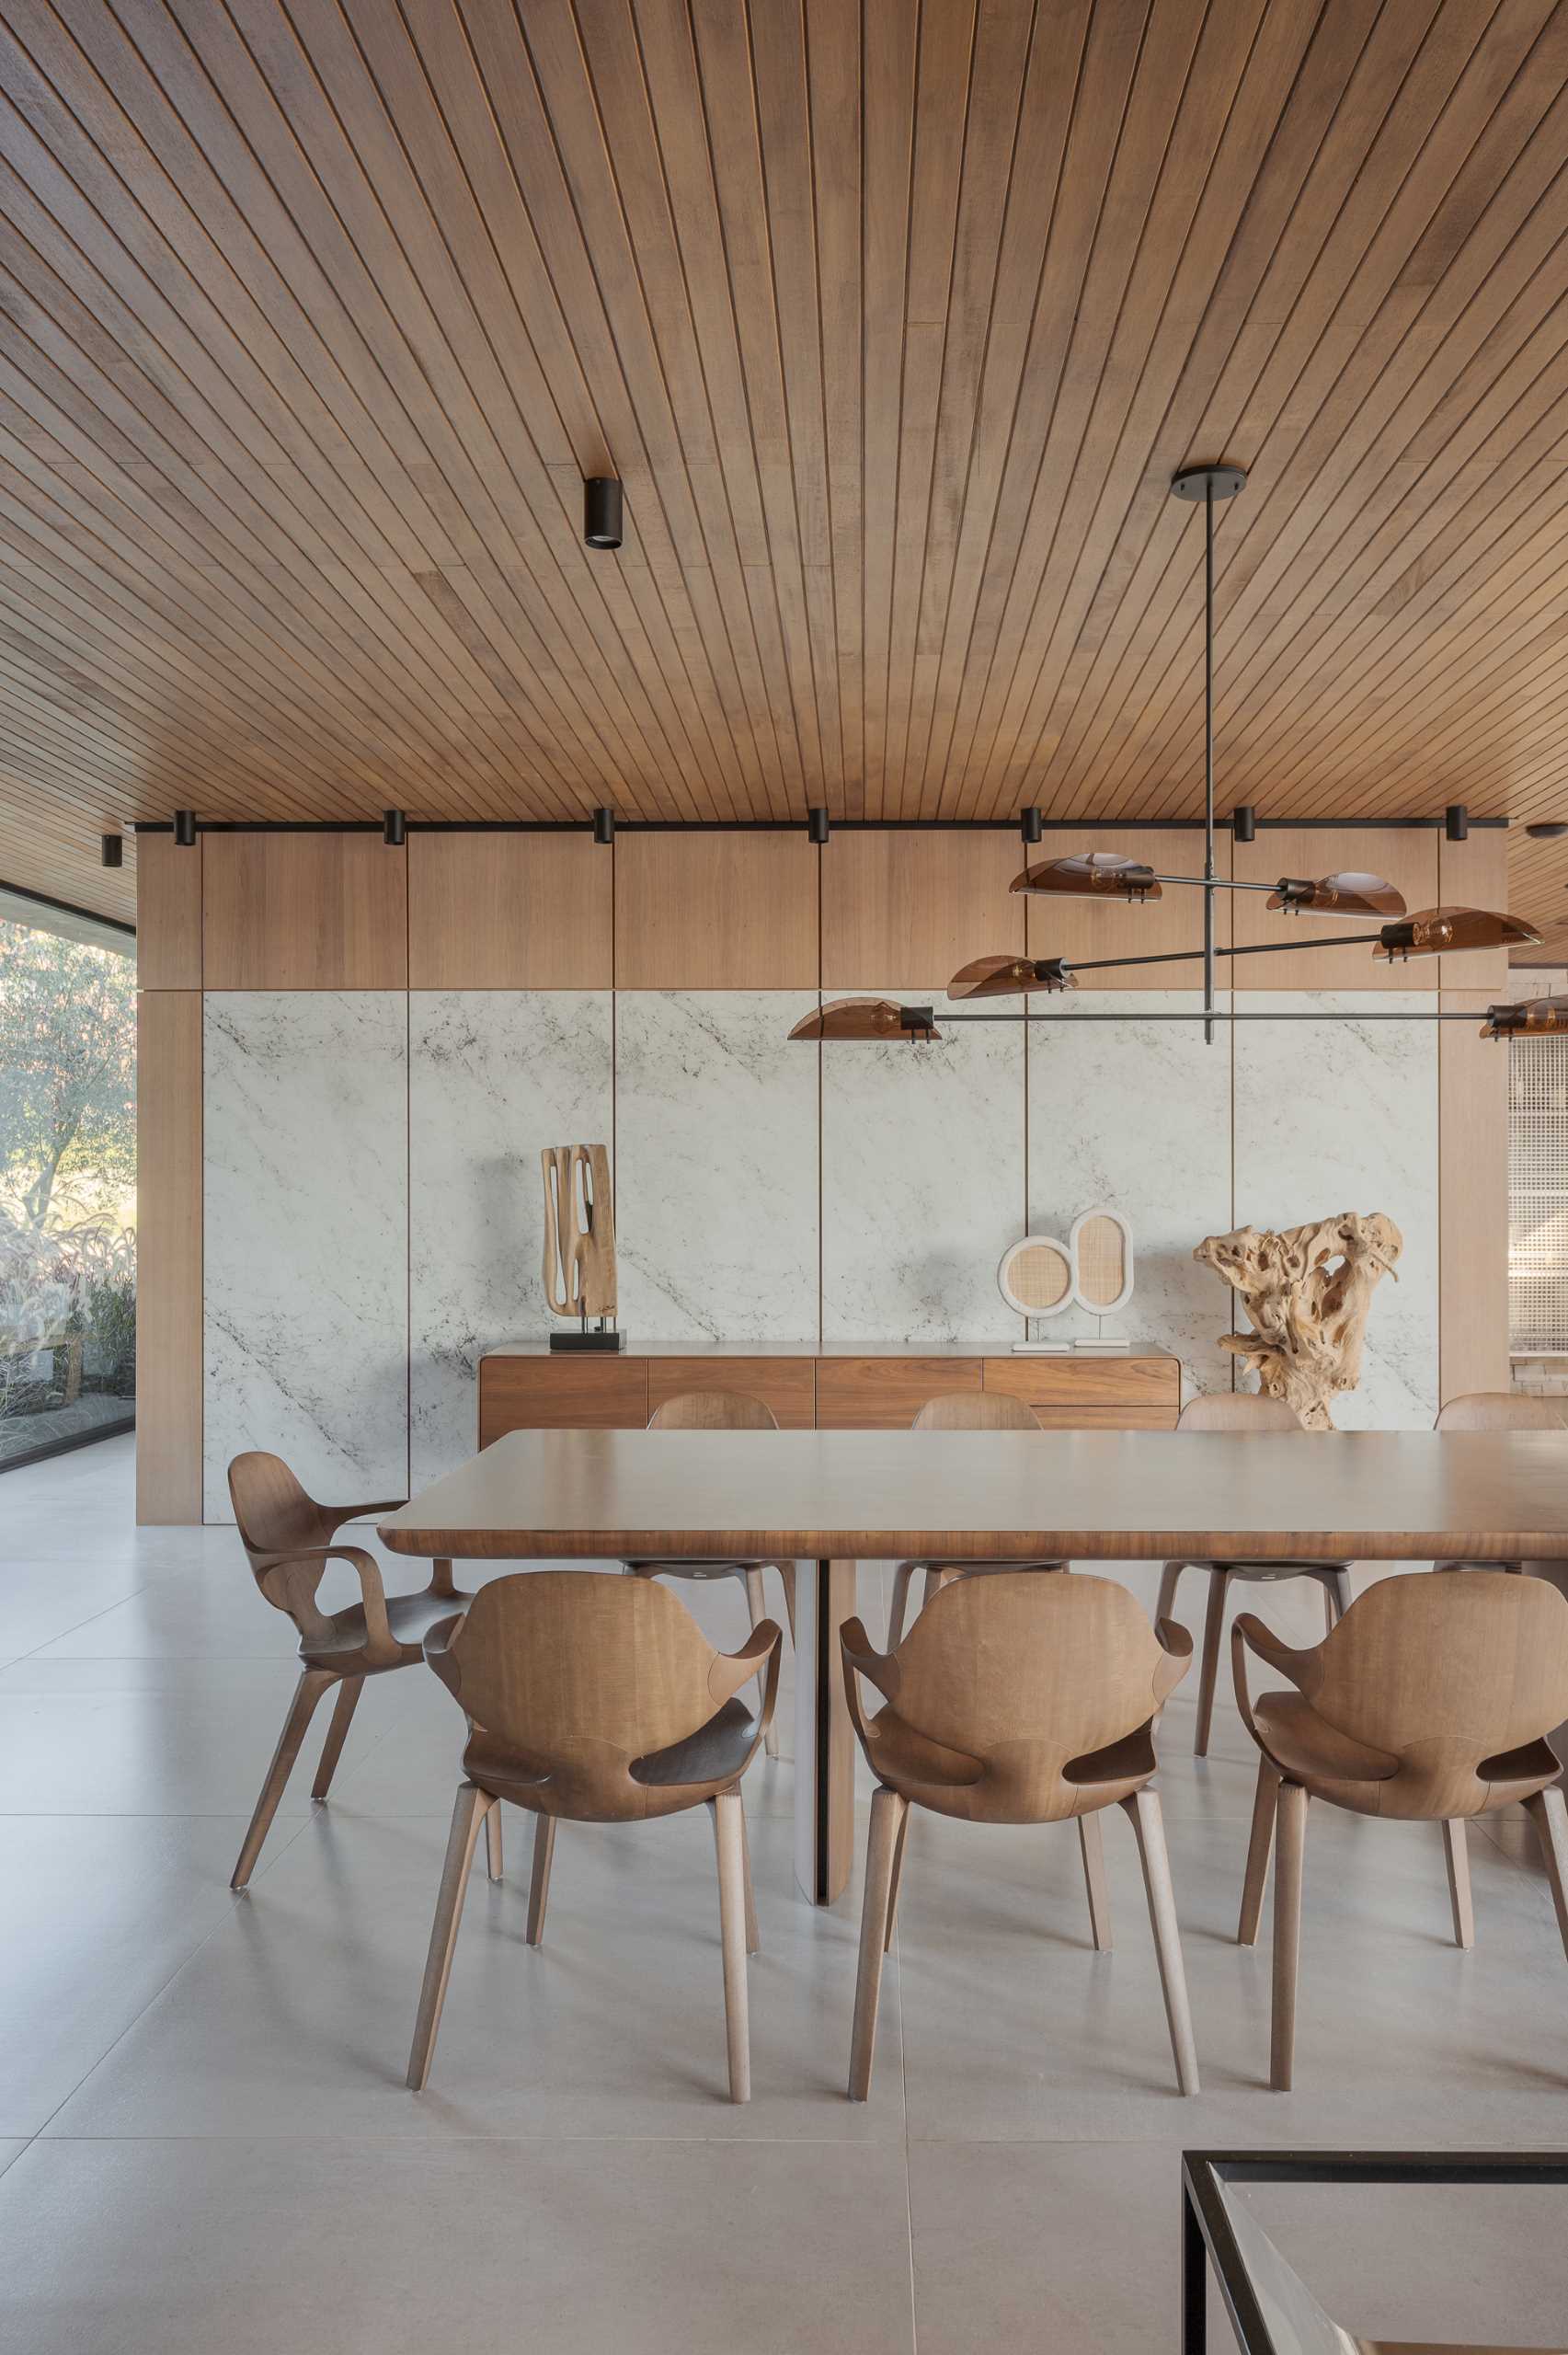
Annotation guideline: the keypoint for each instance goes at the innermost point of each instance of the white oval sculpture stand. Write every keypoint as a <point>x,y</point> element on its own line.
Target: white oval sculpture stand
<point>1039,1277</point>
<point>1101,1243</point>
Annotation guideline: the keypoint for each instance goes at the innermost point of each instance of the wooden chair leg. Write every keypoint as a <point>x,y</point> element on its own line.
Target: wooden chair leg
<point>753,1936</point>
<point>539,1884</point>
<point>1326,1589</point>
<point>1143,1807</point>
<point>889,1810</point>
<point>1456,1855</point>
<point>493,1840</point>
<point>1093,1851</point>
<point>729,1838</point>
<point>1344,1594</point>
<point>1290,1854</point>
<point>1549,1814</point>
<point>343,1709</point>
<point>900,1604</point>
<point>312,1684</point>
<point>1266,1799</point>
<point>757,1603</point>
<point>1169,1579</point>
<point>466,1817</point>
<point>787,1579</point>
<point>895,1882</point>
<point>1213,1627</point>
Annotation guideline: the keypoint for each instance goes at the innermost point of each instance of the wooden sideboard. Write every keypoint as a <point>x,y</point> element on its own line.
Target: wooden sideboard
<point>524,1387</point>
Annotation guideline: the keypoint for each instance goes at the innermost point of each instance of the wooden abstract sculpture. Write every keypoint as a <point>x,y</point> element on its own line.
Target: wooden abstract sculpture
<point>1308,1293</point>
<point>579,1232</point>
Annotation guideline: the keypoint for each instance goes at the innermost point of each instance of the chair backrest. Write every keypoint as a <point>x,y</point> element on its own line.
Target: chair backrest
<point>272,1512</point>
<point>581,1673</point>
<point>1444,1672</point>
<point>1502,1410</point>
<point>1026,1674</point>
<point>975,1410</point>
<point>1238,1411</point>
<point>712,1411</point>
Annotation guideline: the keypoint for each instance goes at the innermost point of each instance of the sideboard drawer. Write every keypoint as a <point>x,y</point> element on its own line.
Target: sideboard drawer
<point>786,1385</point>
<point>563,1393</point>
<point>1091,1392</point>
<point>885,1393</point>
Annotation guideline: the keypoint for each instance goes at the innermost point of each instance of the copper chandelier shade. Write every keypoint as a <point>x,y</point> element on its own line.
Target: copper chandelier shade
<point>1432,930</point>
<point>1009,977</point>
<point>869,1021</point>
<point>1091,875</point>
<point>1347,894</point>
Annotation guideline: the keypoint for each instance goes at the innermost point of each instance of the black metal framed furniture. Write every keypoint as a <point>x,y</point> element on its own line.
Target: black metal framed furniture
<point>1215,2230</point>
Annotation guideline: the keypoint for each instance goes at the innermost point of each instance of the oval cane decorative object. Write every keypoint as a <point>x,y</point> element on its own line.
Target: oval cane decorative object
<point>1035,1276</point>
<point>1101,1261</point>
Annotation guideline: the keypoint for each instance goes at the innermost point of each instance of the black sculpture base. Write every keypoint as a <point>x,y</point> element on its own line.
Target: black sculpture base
<point>575,1338</point>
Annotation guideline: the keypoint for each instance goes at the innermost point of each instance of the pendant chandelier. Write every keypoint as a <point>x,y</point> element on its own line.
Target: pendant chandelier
<point>1102,875</point>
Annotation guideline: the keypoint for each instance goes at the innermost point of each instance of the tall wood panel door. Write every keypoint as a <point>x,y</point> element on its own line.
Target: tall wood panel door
<point>168,1255</point>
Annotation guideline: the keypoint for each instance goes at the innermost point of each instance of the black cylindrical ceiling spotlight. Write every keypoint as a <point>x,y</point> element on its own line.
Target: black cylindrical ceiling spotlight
<point>602,512</point>
<point>816,825</point>
<point>1243,823</point>
<point>1547,830</point>
<point>604,826</point>
<point>111,849</point>
<point>1030,825</point>
<point>185,829</point>
<point>1456,822</point>
<point>394,829</point>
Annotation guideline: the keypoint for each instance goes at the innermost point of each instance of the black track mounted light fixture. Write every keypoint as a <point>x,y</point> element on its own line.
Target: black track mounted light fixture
<point>816,826</point>
<point>1456,822</point>
<point>1030,825</point>
<point>1243,823</point>
<point>394,829</point>
<point>185,829</point>
<point>604,826</point>
<point>111,849</point>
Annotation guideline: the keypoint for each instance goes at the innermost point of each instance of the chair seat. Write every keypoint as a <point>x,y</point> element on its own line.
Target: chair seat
<point>1331,1765</point>
<point>948,1782</point>
<point>410,1617</point>
<point>982,1569</point>
<point>676,1567</point>
<point>1263,1571</point>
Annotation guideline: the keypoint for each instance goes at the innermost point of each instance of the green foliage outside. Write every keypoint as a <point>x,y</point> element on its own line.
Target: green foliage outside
<point>67,1171</point>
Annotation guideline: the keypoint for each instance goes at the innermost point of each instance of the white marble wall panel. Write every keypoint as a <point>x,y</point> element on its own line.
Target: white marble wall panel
<point>922,1182</point>
<point>495,1076</point>
<point>717,1158</point>
<point>1135,1117</point>
<point>1343,1116</point>
<point>305,1123</point>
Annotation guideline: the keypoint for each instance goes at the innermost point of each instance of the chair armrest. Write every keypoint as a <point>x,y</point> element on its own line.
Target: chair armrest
<point>1175,1642</point>
<point>338,1515</point>
<point>730,1670</point>
<point>860,1658</point>
<point>1250,1633</point>
<point>296,1594</point>
<point>439,1654</point>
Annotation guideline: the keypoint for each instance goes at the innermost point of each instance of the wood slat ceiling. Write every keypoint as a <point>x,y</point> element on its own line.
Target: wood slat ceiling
<point>894,319</point>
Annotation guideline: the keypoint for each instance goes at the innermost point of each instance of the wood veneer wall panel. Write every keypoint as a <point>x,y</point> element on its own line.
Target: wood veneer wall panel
<point>303,912</point>
<point>509,911</point>
<point>715,912</point>
<point>1474,874</point>
<point>1406,857</point>
<point>1472,1210</point>
<point>904,911</point>
<point>168,913</point>
<point>787,1386</point>
<point>1071,928</point>
<point>168,1255</point>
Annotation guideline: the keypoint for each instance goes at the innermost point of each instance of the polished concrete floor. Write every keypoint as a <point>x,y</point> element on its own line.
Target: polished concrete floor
<point>205,2140</point>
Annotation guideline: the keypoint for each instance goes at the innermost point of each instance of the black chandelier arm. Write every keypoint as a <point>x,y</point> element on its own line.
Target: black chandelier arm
<point>1186,956</point>
<point>1218,1013</point>
<point>1215,883</point>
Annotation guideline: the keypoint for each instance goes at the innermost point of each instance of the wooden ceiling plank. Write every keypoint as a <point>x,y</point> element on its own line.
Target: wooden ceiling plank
<point>836,99</point>
<point>889,78</point>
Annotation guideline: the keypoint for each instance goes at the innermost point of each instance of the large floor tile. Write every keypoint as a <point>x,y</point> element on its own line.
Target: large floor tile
<point>1014,2028</point>
<point>296,2018</point>
<point>42,1600</point>
<point>98,1916</point>
<point>671,2248</point>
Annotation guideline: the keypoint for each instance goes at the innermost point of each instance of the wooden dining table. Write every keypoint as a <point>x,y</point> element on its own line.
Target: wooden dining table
<point>831,1499</point>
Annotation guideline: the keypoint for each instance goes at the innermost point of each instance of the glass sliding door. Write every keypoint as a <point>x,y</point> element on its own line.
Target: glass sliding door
<point>67,1190</point>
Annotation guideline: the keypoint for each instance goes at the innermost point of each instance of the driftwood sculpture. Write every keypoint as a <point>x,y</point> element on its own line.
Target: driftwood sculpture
<point>1308,1293</point>
<point>580,1231</point>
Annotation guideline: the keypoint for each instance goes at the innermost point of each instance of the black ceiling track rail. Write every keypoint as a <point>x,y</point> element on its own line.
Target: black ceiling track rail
<point>67,907</point>
<point>793,825</point>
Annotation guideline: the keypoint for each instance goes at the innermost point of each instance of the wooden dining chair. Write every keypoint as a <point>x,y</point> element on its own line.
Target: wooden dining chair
<point>723,1410</point>
<point>597,1699</point>
<point>1499,1410</point>
<point>1246,1412</point>
<point>1016,1699</point>
<point>1429,1702</point>
<point>289,1541</point>
<point>959,1410</point>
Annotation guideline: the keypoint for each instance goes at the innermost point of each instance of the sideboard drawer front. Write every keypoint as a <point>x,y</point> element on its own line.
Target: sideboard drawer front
<point>885,1393</point>
<point>1069,1393</point>
<point>786,1385</point>
<point>563,1393</point>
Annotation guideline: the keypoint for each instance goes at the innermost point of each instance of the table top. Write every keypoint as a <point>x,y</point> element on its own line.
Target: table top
<point>965,1496</point>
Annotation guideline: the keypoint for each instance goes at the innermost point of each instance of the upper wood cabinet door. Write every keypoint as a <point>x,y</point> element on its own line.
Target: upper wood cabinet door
<point>885,1393</point>
<point>787,1386</point>
<point>715,912</point>
<point>168,913</point>
<point>904,911</point>
<point>303,912</point>
<point>509,911</point>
